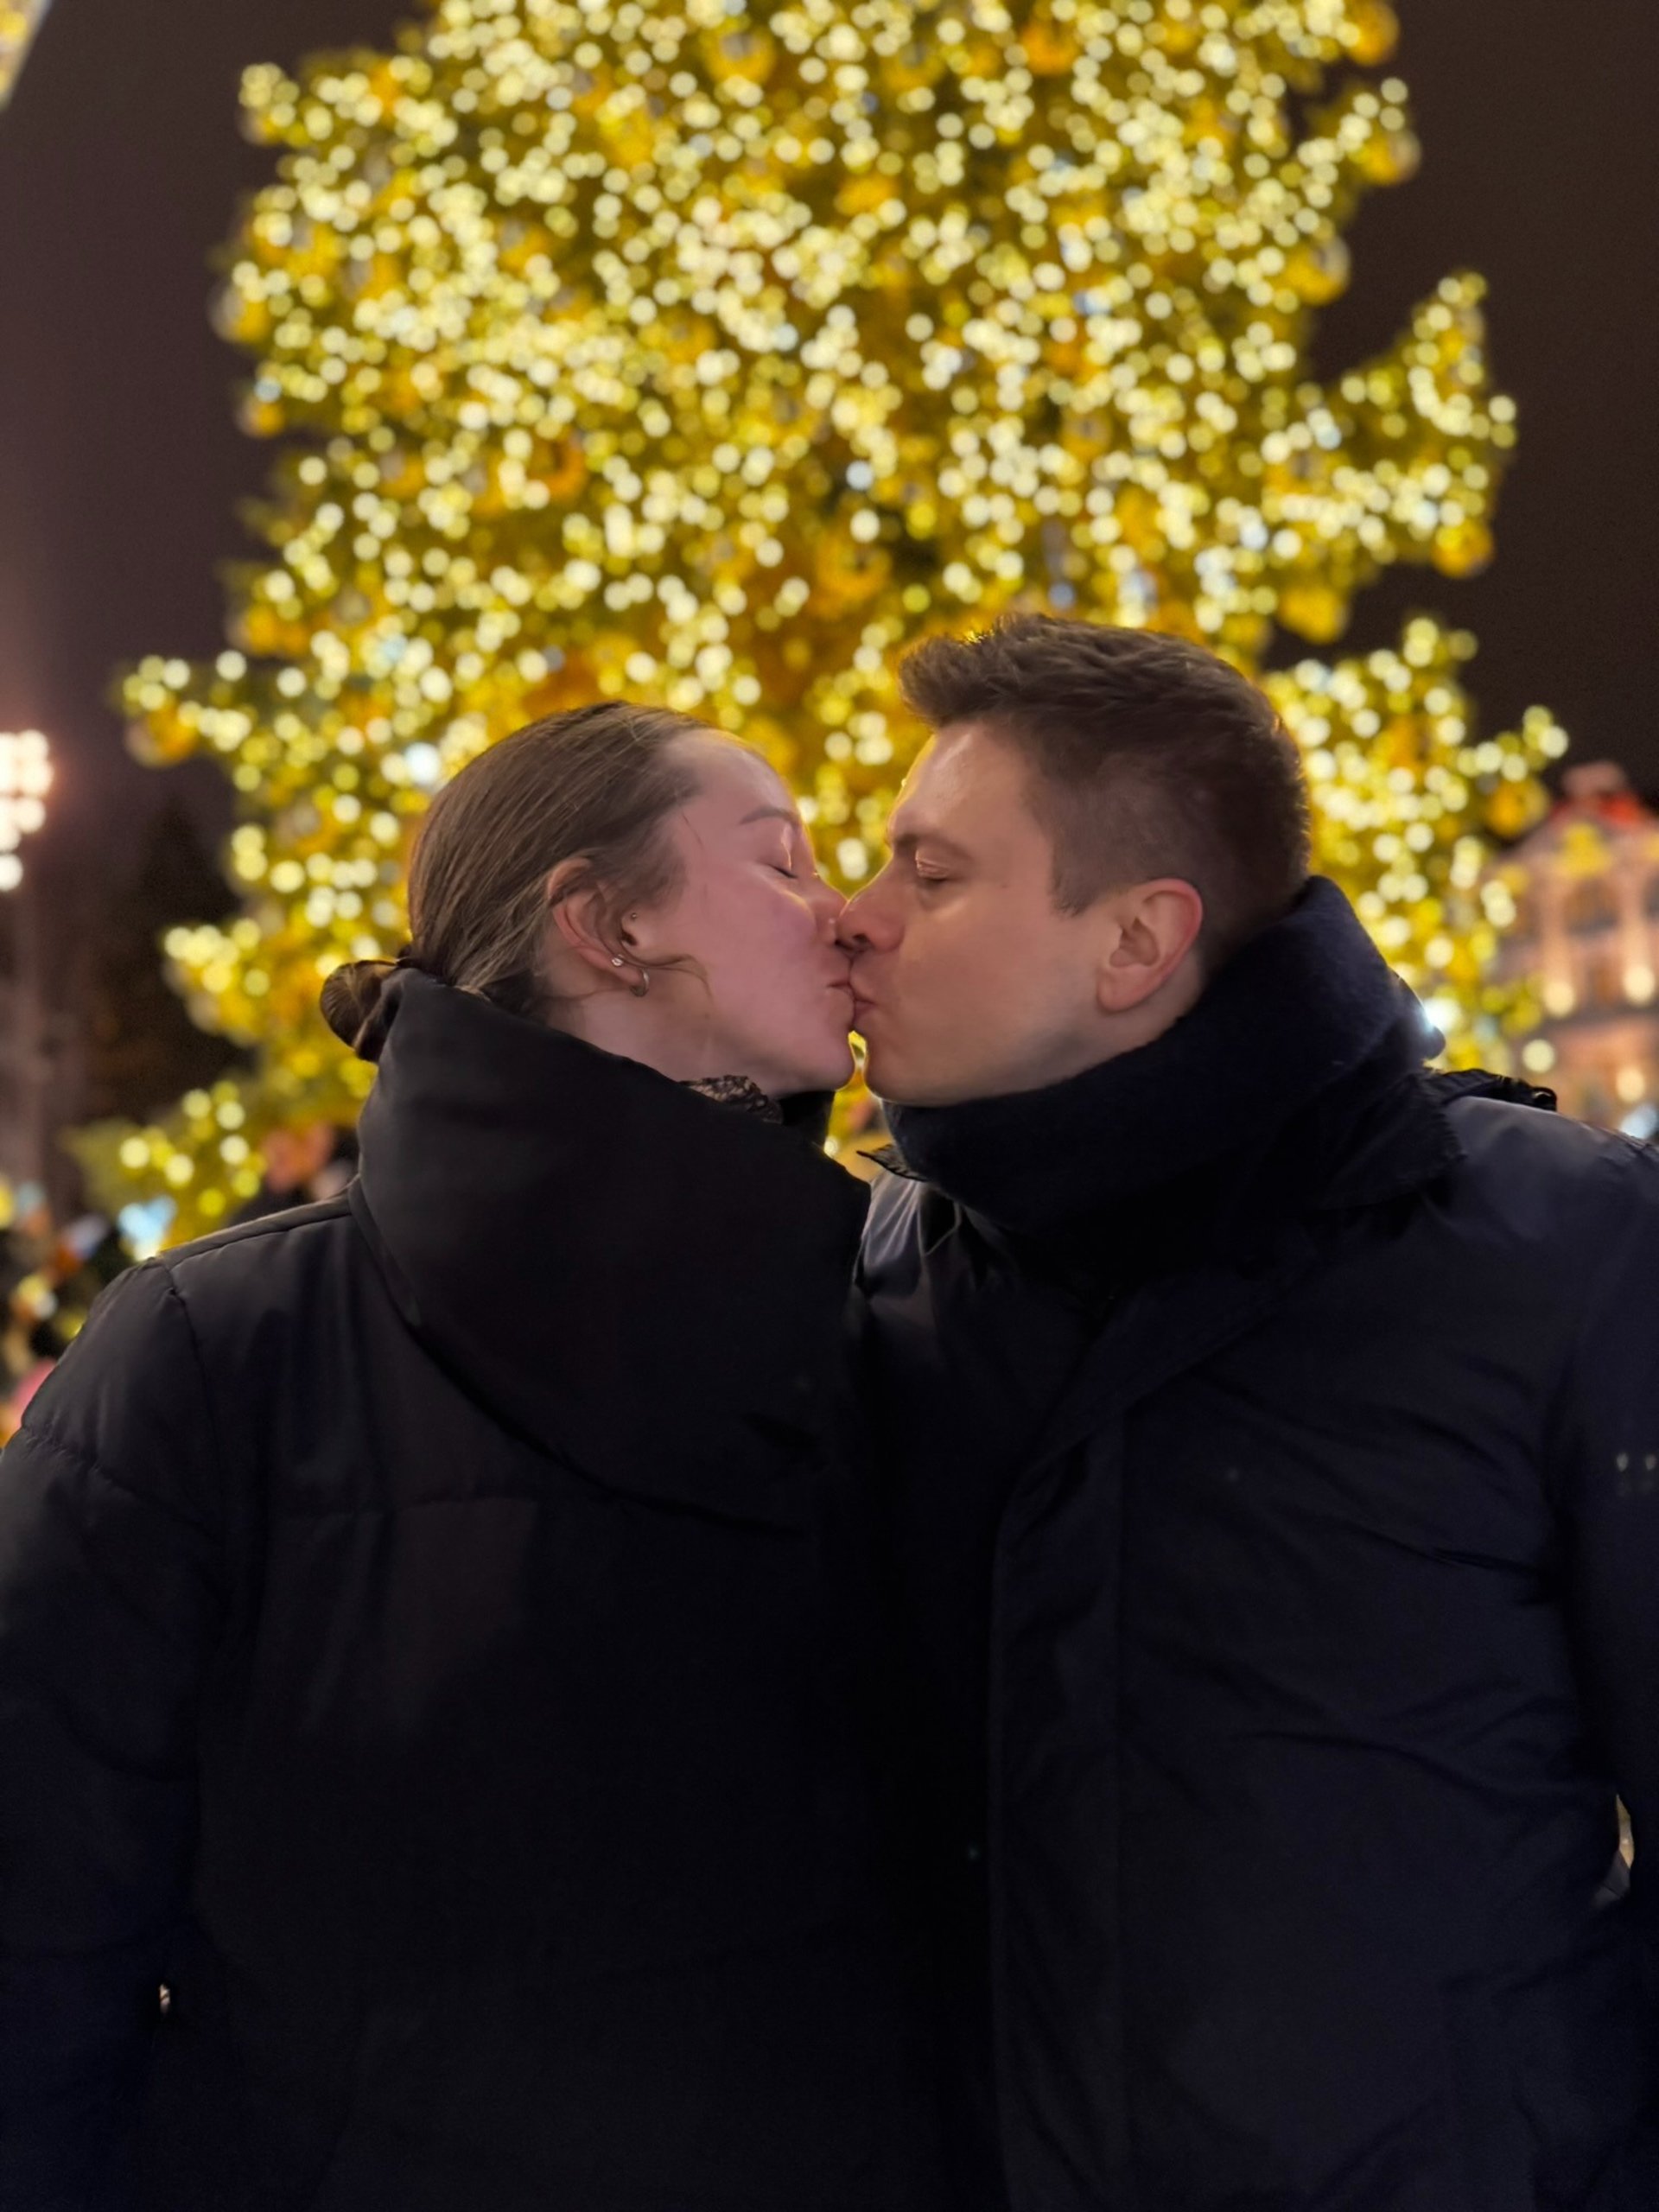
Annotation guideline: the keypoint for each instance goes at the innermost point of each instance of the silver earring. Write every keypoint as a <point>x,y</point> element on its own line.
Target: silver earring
<point>640,988</point>
<point>617,961</point>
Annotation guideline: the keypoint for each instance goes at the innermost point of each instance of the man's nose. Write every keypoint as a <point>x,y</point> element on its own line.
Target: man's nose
<point>866,922</point>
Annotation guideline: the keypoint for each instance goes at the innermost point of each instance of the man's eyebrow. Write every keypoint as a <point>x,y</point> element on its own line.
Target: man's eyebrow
<point>772,814</point>
<point>907,841</point>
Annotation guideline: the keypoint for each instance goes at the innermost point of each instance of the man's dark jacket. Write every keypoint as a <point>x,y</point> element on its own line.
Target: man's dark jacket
<point>429,1645</point>
<point>1275,1433</point>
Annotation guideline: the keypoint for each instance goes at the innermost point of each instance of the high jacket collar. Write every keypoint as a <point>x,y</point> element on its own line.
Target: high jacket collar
<point>646,1284</point>
<point>1306,1029</point>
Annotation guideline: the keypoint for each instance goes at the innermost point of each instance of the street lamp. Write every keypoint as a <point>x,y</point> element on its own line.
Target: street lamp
<point>25,780</point>
<point>19,20</point>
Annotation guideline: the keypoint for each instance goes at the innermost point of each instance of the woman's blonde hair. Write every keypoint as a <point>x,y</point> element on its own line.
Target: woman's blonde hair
<point>596,784</point>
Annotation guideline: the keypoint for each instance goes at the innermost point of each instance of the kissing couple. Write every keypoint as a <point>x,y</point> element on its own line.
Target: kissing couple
<point>586,1676</point>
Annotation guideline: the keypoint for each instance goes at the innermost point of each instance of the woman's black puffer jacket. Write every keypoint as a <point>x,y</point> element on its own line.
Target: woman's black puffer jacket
<point>431,1644</point>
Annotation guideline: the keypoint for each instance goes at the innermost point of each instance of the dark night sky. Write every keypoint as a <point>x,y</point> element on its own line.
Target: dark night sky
<point>121,470</point>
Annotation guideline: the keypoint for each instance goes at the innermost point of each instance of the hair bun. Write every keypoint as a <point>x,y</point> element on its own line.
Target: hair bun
<point>355,1004</point>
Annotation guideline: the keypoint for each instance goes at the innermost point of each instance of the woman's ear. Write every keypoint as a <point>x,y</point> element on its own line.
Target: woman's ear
<point>580,925</point>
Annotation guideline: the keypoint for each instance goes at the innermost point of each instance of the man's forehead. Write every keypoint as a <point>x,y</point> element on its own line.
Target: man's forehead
<point>960,765</point>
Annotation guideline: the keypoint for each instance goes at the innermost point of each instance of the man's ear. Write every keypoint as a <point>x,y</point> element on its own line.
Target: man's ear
<point>576,907</point>
<point>1155,927</point>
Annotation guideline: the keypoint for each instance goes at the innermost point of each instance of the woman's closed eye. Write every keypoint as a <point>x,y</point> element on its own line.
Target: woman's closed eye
<point>795,861</point>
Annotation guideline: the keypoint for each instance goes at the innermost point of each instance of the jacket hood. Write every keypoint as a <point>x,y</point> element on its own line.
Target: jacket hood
<point>641,1281</point>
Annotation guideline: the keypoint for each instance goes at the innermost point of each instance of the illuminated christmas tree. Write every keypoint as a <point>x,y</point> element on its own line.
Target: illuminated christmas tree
<point>711,353</point>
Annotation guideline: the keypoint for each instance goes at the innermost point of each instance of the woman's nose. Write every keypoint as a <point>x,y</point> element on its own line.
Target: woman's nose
<point>830,903</point>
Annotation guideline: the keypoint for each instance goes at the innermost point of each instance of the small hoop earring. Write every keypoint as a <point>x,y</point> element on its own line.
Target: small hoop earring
<point>638,989</point>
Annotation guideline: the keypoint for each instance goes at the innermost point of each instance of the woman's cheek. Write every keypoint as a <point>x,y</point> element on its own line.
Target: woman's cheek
<point>809,919</point>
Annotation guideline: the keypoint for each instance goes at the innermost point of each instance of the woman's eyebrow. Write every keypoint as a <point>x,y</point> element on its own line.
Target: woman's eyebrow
<point>772,814</point>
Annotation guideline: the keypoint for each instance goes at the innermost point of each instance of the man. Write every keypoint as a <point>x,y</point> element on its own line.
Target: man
<point>1274,1430</point>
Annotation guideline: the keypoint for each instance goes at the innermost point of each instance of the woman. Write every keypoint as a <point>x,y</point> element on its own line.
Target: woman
<point>430,1621</point>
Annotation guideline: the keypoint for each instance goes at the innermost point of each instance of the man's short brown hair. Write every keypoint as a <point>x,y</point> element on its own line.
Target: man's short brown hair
<point>1149,757</point>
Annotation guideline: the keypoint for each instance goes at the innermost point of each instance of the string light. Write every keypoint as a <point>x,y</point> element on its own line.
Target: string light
<point>711,353</point>
<point>25,780</point>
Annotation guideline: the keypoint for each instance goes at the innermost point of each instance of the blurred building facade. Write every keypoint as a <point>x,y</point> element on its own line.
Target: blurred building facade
<point>1584,932</point>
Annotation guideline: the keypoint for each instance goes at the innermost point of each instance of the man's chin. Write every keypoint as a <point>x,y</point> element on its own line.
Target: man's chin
<point>899,1077</point>
<point>894,1084</point>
